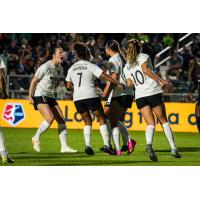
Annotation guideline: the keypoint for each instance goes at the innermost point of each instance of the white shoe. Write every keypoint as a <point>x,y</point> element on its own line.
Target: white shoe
<point>68,150</point>
<point>36,145</point>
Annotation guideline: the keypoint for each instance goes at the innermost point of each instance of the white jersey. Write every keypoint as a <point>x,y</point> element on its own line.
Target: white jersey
<point>2,64</point>
<point>83,74</point>
<point>49,76</point>
<point>116,66</point>
<point>144,86</point>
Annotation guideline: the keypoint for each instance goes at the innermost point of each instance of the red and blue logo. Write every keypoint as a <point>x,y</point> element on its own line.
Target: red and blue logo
<point>13,113</point>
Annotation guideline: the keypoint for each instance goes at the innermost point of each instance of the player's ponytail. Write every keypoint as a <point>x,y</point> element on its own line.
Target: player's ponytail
<point>82,51</point>
<point>114,46</point>
<point>133,51</point>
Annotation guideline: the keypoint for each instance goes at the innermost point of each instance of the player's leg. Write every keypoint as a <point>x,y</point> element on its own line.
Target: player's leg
<point>62,129</point>
<point>128,142</point>
<point>98,111</point>
<point>107,114</point>
<point>197,113</point>
<point>160,113</point>
<point>48,116</point>
<point>114,118</point>
<point>150,130</point>
<point>3,152</point>
<point>87,132</point>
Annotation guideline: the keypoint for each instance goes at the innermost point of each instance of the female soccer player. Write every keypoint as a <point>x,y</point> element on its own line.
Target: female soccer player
<point>80,79</point>
<point>148,95</point>
<point>119,101</point>
<point>195,80</point>
<point>41,95</point>
<point>3,95</point>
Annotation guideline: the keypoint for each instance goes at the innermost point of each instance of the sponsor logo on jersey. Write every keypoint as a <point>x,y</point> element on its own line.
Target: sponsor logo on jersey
<point>13,113</point>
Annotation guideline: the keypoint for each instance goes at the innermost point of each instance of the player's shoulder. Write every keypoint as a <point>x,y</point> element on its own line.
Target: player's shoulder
<point>45,65</point>
<point>143,57</point>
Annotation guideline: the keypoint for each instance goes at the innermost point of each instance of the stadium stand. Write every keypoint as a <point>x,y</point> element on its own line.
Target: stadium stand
<point>172,54</point>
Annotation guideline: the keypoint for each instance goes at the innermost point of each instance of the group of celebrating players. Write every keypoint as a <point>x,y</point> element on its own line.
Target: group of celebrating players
<point>129,75</point>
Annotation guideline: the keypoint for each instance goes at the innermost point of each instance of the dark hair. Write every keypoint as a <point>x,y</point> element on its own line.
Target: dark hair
<point>48,57</point>
<point>82,51</point>
<point>114,46</point>
<point>133,51</point>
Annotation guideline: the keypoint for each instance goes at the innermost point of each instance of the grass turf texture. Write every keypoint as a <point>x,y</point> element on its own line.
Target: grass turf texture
<point>18,142</point>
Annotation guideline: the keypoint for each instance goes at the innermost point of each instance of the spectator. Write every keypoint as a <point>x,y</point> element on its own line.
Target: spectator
<point>174,64</point>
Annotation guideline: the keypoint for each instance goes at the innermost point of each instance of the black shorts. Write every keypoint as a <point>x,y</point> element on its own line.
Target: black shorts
<point>125,101</point>
<point>86,105</point>
<point>44,100</point>
<point>151,101</point>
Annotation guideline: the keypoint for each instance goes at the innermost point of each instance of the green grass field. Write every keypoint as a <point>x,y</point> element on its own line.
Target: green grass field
<point>19,145</point>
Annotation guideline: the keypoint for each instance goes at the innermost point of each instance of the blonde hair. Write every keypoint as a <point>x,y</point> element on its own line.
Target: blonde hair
<point>133,51</point>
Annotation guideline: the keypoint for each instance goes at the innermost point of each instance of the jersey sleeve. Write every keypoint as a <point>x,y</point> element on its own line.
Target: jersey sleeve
<point>2,64</point>
<point>96,71</point>
<point>113,68</point>
<point>68,78</point>
<point>41,71</point>
<point>143,58</point>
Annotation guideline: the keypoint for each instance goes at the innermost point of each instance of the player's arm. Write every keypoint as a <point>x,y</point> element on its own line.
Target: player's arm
<point>32,87</point>
<point>70,86</point>
<point>109,78</point>
<point>147,71</point>
<point>3,84</point>
<point>193,87</point>
<point>109,86</point>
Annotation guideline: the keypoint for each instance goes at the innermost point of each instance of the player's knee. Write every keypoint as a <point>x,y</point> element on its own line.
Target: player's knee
<point>50,119</point>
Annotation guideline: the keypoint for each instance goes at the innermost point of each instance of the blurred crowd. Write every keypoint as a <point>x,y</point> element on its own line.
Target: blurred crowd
<point>22,51</point>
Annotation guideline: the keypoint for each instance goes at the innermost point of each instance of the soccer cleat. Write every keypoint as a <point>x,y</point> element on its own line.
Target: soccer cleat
<point>118,153</point>
<point>89,150</point>
<point>131,146</point>
<point>68,150</point>
<point>124,148</point>
<point>151,153</point>
<point>175,153</point>
<point>107,150</point>
<point>36,145</point>
<point>7,159</point>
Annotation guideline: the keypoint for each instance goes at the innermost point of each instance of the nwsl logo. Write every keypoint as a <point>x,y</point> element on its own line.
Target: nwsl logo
<point>13,113</point>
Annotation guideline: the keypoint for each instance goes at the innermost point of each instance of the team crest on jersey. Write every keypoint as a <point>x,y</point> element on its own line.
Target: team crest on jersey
<point>13,113</point>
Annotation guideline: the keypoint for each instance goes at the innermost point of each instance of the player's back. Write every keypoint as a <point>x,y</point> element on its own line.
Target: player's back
<point>83,74</point>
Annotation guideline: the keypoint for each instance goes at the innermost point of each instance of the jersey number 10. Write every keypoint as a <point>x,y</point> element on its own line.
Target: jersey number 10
<point>138,77</point>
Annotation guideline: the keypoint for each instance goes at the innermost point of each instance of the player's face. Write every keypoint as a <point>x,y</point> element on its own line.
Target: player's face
<point>59,55</point>
<point>107,50</point>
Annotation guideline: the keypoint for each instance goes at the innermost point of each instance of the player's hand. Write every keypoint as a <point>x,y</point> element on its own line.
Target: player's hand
<point>162,82</point>
<point>31,101</point>
<point>121,86</point>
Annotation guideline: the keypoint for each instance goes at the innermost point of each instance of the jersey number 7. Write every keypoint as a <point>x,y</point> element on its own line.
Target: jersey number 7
<point>80,77</point>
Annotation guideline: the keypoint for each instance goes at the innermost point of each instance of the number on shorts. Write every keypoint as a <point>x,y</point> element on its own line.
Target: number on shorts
<point>79,74</point>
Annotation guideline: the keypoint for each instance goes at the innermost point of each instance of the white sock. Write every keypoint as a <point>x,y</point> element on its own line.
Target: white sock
<point>87,134</point>
<point>3,151</point>
<point>62,131</point>
<point>149,134</point>
<point>42,128</point>
<point>105,134</point>
<point>125,134</point>
<point>116,137</point>
<point>109,131</point>
<point>169,135</point>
